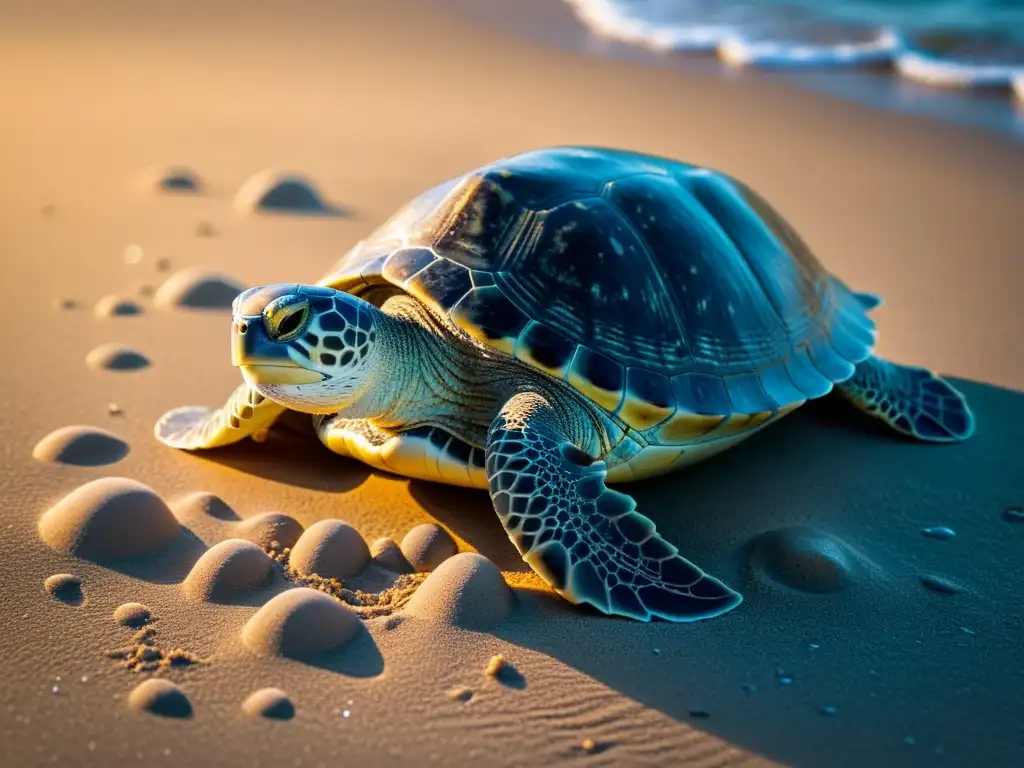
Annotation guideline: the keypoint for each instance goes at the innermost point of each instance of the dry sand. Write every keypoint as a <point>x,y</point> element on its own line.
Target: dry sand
<point>863,640</point>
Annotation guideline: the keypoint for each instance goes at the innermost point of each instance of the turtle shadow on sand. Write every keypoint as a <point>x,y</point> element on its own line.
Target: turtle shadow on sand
<point>866,656</point>
<point>294,459</point>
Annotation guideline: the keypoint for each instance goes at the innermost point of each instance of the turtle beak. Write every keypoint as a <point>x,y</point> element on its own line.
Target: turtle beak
<point>263,360</point>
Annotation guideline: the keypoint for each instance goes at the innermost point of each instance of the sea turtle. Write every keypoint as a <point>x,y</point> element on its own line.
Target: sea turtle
<point>555,320</point>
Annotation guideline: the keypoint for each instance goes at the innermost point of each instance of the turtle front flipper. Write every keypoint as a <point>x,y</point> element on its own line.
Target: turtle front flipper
<point>913,401</point>
<point>247,413</point>
<point>584,539</point>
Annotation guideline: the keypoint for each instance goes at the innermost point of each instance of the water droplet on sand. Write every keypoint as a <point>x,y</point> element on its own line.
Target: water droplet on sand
<point>828,710</point>
<point>939,532</point>
<point>940,584</point>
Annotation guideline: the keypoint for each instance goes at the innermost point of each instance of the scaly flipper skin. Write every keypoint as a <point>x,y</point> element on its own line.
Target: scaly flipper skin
<point>425,453</point>
<point>586,540</point>
<point>247,413</point>
<point>913,401</point>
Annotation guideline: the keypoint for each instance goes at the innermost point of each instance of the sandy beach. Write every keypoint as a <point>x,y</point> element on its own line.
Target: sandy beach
<point>869,634</point>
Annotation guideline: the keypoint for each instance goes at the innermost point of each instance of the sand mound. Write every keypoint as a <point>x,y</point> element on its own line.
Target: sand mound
<point>387,554</point>
<point>116,306</point>
<point>299,623</point>
<point>174,179</point>
<point>330,548</point>
<point>427,546</point>
<point>65,587</point>
<point>160,697</point>
<point>266,528</point>
<point>195,288</point>
<point>108,518</point>
<point>466,589</point>
<point>226,570</point>
<point>115,357</point>
<point>82,446</point>
<point>272,191</point>
<point>133,615</point>
<point>802,558</point>
<point>269,702</point>
<point>200,504</point>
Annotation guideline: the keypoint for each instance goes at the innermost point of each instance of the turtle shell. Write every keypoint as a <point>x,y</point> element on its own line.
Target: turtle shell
<point>671,295</point>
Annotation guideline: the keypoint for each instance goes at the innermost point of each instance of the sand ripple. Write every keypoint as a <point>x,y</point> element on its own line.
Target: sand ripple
<point>427,546</point>
<point>803,558</point>
<point>300,623</point>
<point>465,590</point>
<point>270,527</point>
<point>115,357</point>
<point>109,518</point>
<point>330,548</point>
<point>195,288</point>
<point>82,446</point>
<point>160,697</point>
<point>269,702</point>
<point>226,570</point>
<point>273,191</point>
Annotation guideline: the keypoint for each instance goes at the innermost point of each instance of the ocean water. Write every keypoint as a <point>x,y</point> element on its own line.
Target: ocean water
<point>971,48</point>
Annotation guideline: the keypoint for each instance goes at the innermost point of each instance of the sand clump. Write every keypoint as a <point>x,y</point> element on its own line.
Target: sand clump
<point>202,504</point>
<point>82,446</point>
<point>109,518</point>
<point>387,553</point>
<point>467,589</point>
<point>195,288</point>
<point>299,623</point>
<point>134,615</point>
<point>226,570</point>
<point>175,179</point>
<point>427,546</point>
<point>803,558</point>
<point>272,703</point>
<point>116,306</point>
<point>160,697</point>
<point>142,654</point>
<point>65,588</point>
<point>269,527</point>
<point>331,549</point>
<point>116,357</point>
<point>273,191</point>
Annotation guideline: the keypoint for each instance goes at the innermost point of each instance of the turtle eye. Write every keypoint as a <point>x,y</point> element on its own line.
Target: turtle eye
<point>284,318</point>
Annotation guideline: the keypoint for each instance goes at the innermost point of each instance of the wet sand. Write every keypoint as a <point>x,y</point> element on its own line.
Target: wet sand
<point>862,640</point>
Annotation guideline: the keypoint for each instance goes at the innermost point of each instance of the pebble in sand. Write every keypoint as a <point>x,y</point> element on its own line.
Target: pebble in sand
<point>272,703</point>
<point>116,357</point>
<point>109,518</point>
<point>300,623</point>
<point>82,446</point>
<point>64,587</point>
<point>427,546</point>
<point>387,554</point>
<point>332,549</point>
<point>160,697</point>
<point>226,570</point>
<point>274,191</point>
<point>466,589</point>
<point>132,615</point>
<point>196,288</point>
<point>175,179</point>
<point>269,527</point>
<point>803,558</point>
<point>116,306</point>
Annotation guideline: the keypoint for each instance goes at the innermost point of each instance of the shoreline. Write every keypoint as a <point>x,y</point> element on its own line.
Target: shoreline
<point>998,110</point>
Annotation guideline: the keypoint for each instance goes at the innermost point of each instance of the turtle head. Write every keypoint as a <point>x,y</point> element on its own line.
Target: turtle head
<point>306,347</point>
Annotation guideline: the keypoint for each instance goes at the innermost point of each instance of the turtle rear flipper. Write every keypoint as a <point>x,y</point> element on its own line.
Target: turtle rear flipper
<point>247,413</point>
<point>913,401</point>
<point>586,540</point>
